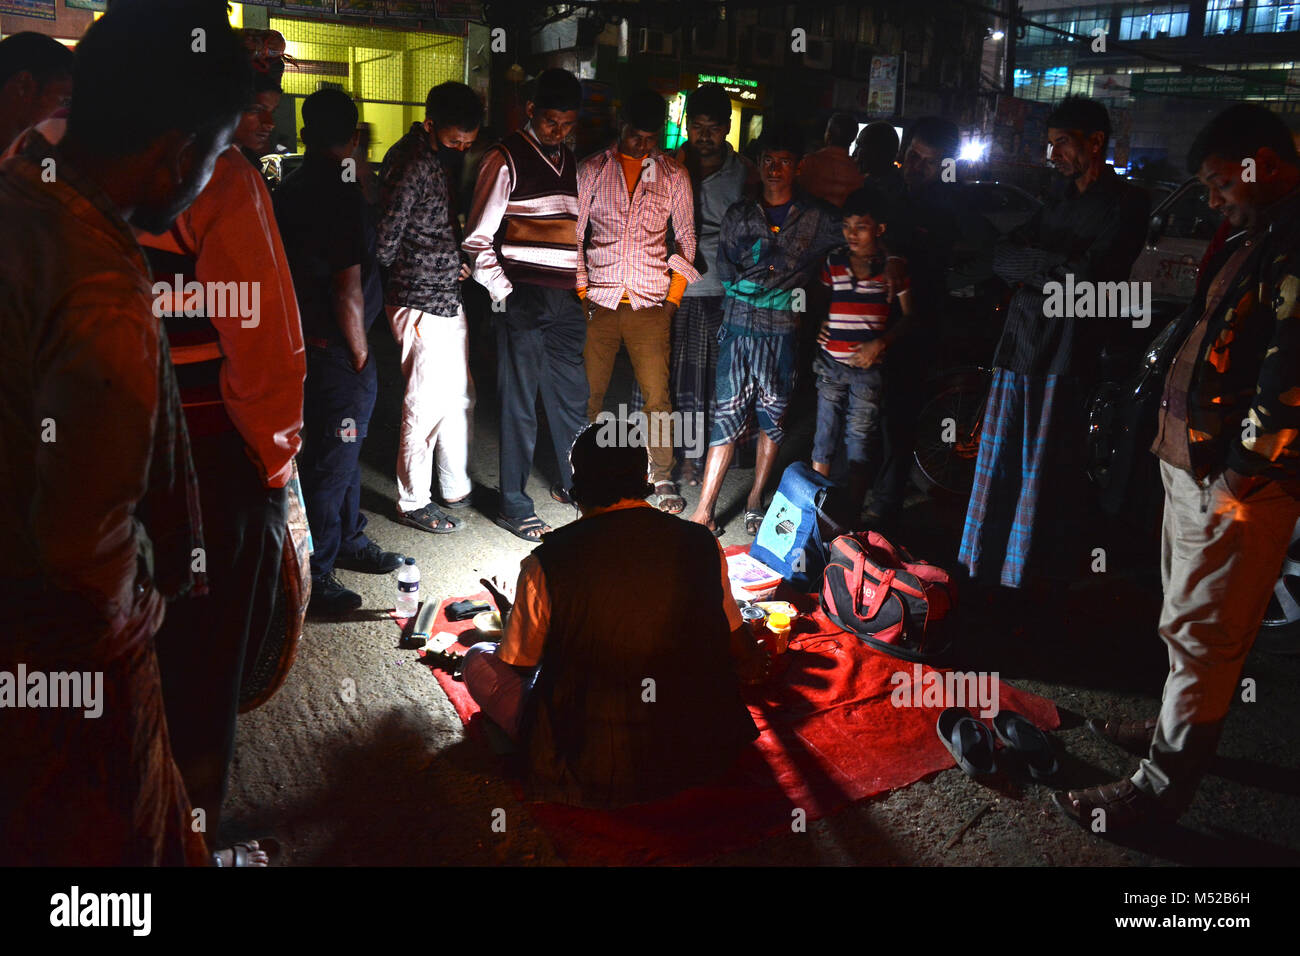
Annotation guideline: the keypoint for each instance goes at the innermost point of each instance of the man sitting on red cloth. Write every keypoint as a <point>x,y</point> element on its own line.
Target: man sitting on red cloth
<point>620,667</point>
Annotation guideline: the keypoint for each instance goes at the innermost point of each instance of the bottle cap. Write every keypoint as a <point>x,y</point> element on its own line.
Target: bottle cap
<point>778,621</point>
<point>410,561</point>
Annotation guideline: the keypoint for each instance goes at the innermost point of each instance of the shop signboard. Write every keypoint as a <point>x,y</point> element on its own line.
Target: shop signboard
<point>883,87</point>
<point>747,91</point>
<point>36,9</point>
<point>1217,85</point>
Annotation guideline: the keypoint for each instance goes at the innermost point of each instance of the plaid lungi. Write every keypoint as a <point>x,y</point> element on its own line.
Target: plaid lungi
<point>693,367</point>
<point>695,354</point>
<point>1021,422</point>
<point>754,372</point>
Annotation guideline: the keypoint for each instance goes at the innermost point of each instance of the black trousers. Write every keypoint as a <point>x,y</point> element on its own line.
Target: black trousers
<point>203,640</point>
<point>539,350</point>
<point>337,405</point>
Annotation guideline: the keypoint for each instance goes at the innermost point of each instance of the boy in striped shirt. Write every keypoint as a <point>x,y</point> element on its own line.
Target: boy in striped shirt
<point>861,325</point>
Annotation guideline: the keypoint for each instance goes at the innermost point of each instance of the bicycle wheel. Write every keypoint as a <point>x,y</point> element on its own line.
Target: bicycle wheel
<point>948,431</point>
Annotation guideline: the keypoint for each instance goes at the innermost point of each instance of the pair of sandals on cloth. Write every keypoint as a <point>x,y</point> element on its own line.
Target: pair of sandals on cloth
<point>531,528</point>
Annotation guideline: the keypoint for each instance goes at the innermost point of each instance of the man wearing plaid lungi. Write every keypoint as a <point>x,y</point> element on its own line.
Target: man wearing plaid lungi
<point>1029,476</point>
<point>768,255</point>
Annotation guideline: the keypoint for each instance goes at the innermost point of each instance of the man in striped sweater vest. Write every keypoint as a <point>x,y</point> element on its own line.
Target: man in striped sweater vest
<point>522,241</point>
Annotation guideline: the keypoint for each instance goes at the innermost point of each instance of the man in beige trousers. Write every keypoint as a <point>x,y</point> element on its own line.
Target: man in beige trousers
<point>1228,440</point>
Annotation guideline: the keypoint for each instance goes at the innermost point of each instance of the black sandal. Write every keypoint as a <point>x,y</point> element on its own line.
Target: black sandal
<point>430,518</point>
<point>530,529</point>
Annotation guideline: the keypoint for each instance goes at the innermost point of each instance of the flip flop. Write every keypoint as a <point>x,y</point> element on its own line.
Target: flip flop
<point>521,527</point>
<point>969,742</point>
<point>753,522</point>
<point>1017,733</point>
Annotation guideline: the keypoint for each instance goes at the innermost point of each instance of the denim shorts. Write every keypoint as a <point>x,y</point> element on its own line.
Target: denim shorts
<point>848,405</point>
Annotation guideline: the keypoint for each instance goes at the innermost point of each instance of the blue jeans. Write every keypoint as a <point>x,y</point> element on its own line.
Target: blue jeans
<point>848,403</point>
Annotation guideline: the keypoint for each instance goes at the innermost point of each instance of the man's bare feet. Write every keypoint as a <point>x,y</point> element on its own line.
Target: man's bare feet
<point>247,853</point>
<point>707,520</point>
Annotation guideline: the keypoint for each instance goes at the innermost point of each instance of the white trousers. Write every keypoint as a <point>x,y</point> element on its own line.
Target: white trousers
<point>437,409</point>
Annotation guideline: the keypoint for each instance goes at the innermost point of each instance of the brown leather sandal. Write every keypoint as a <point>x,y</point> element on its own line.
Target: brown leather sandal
<point>1135,736</point>
<point>1122,804</point>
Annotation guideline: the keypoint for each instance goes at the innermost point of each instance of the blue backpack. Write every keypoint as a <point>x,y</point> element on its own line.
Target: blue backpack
<point>790,541</point>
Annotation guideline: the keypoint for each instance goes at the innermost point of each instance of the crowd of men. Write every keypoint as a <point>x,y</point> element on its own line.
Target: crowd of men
<point>150,464</point>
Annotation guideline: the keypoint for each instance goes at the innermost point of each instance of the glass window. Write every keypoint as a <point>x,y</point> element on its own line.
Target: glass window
<point>1274,16</point>
<point>1223,16</point>
<point>1152,22</point>
<point>1080,21</point>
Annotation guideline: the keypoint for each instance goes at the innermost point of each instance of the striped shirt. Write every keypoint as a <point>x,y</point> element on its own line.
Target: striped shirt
<point>629,253</point>
<point>859,308</point>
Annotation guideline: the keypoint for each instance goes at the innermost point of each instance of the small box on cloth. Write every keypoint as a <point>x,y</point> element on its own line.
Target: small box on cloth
<point>751,579</point>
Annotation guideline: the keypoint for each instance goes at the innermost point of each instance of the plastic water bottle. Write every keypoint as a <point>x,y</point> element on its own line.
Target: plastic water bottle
<point>408,589</point>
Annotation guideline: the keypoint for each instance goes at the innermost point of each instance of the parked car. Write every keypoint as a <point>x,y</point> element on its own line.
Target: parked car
<point>276,166</point>
<point>1182,225</point>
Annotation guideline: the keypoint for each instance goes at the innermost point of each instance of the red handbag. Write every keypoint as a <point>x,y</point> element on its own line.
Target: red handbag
<point>891,601</point>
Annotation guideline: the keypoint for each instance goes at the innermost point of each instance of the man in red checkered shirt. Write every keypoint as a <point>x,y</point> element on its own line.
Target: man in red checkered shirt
<point>632,271</point>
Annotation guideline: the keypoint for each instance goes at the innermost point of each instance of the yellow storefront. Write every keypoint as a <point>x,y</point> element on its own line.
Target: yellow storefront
<point>389,72</point>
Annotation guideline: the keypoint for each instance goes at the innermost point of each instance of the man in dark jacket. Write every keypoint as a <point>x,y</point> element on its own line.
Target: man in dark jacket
<point>1029,476</point>
<point>1228,439</point>
<point>619,670</point>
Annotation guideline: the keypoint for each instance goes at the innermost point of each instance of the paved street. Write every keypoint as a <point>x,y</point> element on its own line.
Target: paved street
<point>390,778</point>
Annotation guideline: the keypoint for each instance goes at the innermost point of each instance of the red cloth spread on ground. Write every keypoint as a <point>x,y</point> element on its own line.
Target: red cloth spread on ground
<point>830,735</point>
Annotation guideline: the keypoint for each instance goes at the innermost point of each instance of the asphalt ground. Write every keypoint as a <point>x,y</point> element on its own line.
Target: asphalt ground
<point>388,777</point>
